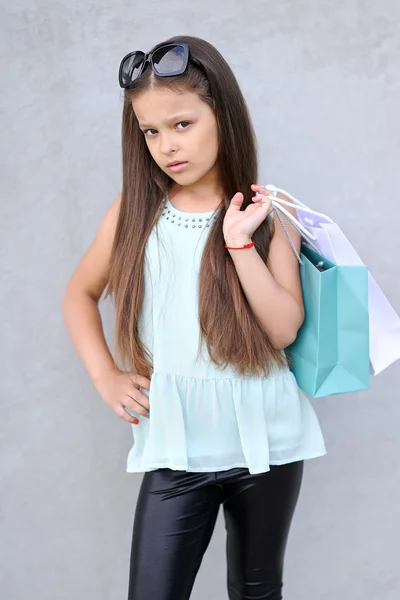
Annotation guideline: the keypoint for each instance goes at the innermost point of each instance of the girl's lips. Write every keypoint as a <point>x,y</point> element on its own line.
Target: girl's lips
<point>177,167</point>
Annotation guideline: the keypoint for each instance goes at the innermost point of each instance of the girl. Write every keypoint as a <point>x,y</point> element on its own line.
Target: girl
<point>207,295</point>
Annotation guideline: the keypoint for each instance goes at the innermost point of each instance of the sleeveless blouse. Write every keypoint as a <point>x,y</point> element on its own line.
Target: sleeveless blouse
<point>203,417</point>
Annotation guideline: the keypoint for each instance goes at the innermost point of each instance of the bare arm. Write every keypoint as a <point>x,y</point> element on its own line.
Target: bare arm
<point>80,301</point>
<point>120,390</point>
<point>274,290</point>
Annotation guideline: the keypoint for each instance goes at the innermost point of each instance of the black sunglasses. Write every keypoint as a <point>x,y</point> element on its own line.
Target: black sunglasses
<point>166,61</point>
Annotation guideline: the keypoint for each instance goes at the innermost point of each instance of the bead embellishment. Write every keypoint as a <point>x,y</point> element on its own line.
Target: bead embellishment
<point>197,222</point>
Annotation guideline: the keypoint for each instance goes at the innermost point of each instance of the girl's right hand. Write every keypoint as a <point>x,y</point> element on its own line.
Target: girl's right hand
<point>120,389</point>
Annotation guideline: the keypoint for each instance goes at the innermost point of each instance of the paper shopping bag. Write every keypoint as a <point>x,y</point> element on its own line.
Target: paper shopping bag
<point>331,242</point>
<point>331,352</point>
<point>384,322</point>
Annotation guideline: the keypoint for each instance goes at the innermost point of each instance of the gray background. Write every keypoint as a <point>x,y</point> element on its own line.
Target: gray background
<point>322,83</point>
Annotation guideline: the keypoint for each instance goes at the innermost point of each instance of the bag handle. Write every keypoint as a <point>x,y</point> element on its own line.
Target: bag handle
<point>279,211</point>
<point>303,207</point>
<point>306,234</point>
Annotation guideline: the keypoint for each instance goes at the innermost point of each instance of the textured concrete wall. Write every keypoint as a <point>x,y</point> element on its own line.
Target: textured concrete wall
<point>321,79</point>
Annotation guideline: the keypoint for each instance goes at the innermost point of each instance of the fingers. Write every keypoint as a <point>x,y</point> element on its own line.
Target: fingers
<point>262,194</point>
<point>263,199</point>
<point>237,201</point>
<point>140,381</point>
<point>134,399</point>
<point>137,402</point>
<point>121,412</point>
<point>137,396</point>
<point>122,392</point>
<point>259,187</point>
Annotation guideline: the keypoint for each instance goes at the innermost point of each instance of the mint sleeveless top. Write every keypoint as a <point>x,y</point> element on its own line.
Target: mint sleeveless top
<point>204,418</point>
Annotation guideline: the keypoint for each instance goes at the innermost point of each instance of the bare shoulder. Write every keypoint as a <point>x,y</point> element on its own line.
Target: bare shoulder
<point>106,231</point>
<point>91,275</point>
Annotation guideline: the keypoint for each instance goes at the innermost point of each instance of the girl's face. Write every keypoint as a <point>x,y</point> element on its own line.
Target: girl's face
<point>179,127</point>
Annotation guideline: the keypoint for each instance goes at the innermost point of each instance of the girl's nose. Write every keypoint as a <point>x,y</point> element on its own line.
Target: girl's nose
<point>167,145</point>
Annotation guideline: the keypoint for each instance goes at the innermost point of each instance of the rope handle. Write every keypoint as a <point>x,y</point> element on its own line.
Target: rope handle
<point>280,212</point>
<point>303,207</point>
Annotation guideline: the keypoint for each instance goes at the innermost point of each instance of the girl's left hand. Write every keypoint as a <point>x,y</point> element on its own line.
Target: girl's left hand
<point>239,225</point>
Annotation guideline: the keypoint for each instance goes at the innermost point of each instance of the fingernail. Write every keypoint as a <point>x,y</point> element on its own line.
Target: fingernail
<point>136,422</point>
<point>148,414</point>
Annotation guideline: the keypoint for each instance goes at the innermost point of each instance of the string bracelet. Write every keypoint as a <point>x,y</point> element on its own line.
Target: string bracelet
<point>241,247</point>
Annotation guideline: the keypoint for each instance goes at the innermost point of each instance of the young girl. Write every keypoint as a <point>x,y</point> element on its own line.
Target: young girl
<point>207,295</point>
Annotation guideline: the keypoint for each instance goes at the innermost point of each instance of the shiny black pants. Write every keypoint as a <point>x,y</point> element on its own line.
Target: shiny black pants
<point>175,517</point>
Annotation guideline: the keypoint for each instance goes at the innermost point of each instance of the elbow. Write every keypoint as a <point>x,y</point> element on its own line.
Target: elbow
<point>285,338</point>
<point>72,297</point>
<point>65,305</point>
<point>66,299</point>
<point>283,341</point>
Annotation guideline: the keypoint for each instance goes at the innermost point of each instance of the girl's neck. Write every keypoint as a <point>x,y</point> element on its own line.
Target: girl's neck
<point>194,201</point>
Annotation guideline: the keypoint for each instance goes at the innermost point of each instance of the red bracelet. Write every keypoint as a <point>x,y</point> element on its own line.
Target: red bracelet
<point>241,247</point>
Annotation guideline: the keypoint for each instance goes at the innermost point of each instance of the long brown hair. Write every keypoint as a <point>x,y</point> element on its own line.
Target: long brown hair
<point>232,333</point>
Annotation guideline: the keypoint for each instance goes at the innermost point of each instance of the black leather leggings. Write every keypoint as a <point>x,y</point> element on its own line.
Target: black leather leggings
<point>175,517</point>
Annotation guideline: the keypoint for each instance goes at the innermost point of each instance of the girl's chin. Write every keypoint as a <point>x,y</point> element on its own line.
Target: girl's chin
<point>186,177</point>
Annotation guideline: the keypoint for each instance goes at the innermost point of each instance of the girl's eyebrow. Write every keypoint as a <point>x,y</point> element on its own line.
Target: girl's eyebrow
<point>170,119</point>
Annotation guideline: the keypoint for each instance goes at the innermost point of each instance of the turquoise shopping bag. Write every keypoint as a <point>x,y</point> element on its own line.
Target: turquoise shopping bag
<point>331,352</point>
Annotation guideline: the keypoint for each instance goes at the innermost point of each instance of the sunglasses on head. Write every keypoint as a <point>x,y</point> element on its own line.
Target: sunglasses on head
<point>166,61</point>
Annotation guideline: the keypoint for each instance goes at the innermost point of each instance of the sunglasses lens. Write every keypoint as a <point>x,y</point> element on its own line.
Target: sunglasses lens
<point>131,67</point>
<point>169,59</point>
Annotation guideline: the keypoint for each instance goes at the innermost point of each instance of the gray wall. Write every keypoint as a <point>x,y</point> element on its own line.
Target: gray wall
<point>321,80</point>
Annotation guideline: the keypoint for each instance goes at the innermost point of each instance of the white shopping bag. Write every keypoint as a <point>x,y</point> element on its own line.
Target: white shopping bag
<point>330,241</point>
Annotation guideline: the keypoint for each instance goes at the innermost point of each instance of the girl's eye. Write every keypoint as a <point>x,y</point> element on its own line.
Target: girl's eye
<point>183,123</point>
<point>146,131</point>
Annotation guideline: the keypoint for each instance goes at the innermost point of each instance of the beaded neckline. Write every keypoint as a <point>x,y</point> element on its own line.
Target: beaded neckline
<point>185,220</point>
